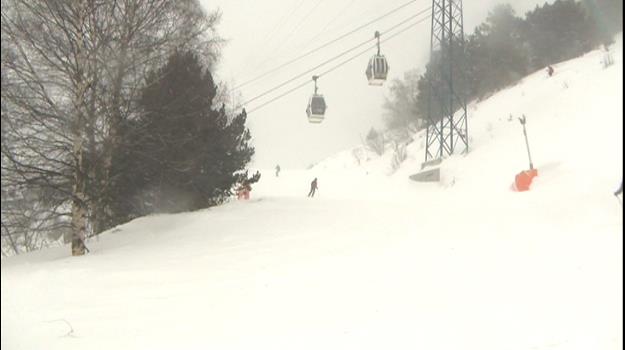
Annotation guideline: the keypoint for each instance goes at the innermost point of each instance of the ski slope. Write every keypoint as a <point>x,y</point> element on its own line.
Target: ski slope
<point>374,260</point>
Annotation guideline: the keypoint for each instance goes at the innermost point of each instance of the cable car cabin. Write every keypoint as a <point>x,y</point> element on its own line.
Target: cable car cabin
<point>377,70</point>
<point>316,108</point>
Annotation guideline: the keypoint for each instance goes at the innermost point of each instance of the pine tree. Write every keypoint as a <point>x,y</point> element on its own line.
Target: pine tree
<point>401,107</point>
<point>496,54</point>
<point>558,31</point>
<point>181,153</point>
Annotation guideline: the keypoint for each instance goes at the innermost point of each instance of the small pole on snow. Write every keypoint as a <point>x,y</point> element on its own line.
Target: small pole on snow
<point>523,120</point>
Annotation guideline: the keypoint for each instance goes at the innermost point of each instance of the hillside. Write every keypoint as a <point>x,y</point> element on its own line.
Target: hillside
<point>374,260</point>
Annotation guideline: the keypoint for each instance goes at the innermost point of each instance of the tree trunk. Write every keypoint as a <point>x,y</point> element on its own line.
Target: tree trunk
<point>79,205</point>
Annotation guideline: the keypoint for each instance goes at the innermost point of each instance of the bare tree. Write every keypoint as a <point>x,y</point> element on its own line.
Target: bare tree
<point>399,155</point>
<point>70,77</point>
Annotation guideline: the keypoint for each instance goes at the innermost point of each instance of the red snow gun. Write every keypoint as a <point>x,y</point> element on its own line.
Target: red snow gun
<point>523,180</point>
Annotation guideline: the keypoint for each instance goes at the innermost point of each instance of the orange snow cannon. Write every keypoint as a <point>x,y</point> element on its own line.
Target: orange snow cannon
<point>523,180</point>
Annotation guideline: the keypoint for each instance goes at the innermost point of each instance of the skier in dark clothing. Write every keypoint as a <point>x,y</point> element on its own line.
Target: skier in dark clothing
<point>313,188</point>
<point>620,190</point>
<point>277,170</point>
<point>550,70</point>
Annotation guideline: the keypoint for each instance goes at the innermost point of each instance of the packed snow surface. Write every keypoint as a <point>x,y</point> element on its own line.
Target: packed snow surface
<point>374,260</point>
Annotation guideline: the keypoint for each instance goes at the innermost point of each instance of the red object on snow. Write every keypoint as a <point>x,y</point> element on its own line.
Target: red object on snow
<point>523,180</point>
<point>243,192</point>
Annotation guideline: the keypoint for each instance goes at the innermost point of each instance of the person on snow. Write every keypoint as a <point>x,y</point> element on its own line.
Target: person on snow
<point>277,170</point>
<point>313,188</point>
<point>244,191</point>
<point>550,70</point>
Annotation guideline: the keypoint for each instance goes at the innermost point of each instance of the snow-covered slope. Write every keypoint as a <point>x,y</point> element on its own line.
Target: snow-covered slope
<point>373,261</point>
<point>573,117</point>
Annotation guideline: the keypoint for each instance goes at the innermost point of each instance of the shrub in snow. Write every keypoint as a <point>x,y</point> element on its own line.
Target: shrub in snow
<point>375,141</point>
<point>399,155</point>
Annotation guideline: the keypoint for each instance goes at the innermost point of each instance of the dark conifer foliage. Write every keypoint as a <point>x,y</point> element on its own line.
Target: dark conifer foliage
<point>507,47</point>
<point>606,17</point>
<point>557,32</point>
<point>497,56</point>
<point>182,153</point>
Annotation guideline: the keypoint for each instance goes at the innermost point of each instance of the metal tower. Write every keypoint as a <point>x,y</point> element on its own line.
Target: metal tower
<point>447,108</point>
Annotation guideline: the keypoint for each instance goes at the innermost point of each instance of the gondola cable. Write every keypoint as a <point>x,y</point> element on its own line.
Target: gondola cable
<point>297,87</point>
<point>330,60</point>
<point>326,62</point>
<point>327,44</point>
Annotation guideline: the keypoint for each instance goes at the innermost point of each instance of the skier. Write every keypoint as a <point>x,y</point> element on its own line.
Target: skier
<point>277,170</point>
<point>550,70</point>
<point>313,188</point>
<point>240,192</point>
<point>620,190</point>
<point>248,189</point>
<point>244,190</point>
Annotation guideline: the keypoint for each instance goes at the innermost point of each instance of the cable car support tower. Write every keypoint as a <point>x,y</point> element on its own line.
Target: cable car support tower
<point>447,132</point>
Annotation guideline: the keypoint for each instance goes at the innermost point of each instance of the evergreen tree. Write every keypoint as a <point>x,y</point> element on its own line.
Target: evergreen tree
<point>502,50</point>
<point>607,18</point>
<point>557,32</point>
<point>434,83</point>
<point>496,53</point>
<point>401,107</point>
<point>183,153</point>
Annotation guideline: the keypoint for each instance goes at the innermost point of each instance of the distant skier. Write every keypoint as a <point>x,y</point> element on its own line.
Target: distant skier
<point>550,70</point>
<point>313,188</point>
<point>243,192</point>
<point>277,170</point>
<point>620,190</point>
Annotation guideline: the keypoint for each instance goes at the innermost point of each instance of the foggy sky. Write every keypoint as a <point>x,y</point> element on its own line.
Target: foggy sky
<point>264,34</point>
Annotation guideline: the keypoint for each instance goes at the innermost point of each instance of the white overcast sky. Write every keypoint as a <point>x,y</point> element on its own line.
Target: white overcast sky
<point>264,34</point>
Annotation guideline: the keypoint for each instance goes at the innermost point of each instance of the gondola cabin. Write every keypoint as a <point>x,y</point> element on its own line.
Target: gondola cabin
<point>316,109</point>
<point>316,105</point>
<point>377,70</point>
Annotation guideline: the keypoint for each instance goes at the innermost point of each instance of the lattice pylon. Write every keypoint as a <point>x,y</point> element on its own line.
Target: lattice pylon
<point>447,131</point>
